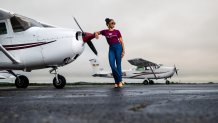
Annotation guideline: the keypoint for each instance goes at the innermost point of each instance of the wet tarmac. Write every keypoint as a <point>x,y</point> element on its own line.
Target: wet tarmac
<point>182,103</point>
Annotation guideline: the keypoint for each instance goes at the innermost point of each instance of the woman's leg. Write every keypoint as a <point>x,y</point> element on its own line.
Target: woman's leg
<point>118,58</point>
<point>112,64</point>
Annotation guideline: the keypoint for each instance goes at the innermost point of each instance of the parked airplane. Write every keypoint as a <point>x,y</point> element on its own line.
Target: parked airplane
<point>5,75</point>
<point>144,70</point>
<point>26,44</point>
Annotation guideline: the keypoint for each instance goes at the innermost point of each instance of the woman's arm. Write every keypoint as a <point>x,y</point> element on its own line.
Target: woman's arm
<point>121,41</point>
<point>97,34</point>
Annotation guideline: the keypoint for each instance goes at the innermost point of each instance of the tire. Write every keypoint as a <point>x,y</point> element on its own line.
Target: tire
<point>151,82</point>
<point>145,82</point>
<point>22,82</point>
<point>167,82</point>
<point>61,82</point>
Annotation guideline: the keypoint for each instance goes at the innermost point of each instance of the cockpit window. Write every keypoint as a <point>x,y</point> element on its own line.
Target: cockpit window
<point>20,23</point>
<point>139,68</point>
<point>3,29</point>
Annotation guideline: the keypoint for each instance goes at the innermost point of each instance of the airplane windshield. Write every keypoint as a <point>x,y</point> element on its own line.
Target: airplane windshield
<point>139,68</point>
<point>21,23</point>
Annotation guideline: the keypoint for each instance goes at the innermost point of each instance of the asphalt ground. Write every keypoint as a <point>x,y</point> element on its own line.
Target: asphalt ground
<point>179,103</point>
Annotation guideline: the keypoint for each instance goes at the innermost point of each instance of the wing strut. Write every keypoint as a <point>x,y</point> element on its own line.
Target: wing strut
<point>9,55</point>
<point>153,72</point>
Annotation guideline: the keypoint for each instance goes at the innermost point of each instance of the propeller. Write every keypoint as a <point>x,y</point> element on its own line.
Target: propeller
<point>175,69</point>
<point>87,37</point>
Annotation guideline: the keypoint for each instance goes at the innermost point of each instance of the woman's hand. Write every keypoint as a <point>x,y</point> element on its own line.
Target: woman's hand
<point>123,49</point>
<point>123,53</point>
<point>96,35</point>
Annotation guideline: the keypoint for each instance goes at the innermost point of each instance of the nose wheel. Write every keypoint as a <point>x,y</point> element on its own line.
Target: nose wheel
<point>59,81</point>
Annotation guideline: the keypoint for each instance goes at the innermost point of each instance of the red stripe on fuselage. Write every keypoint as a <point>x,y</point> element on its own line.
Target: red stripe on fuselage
<point>146,73</point>
<point>25,46</point>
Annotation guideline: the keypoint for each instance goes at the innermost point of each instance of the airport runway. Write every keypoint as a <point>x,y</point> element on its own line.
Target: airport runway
<point>182,103</point>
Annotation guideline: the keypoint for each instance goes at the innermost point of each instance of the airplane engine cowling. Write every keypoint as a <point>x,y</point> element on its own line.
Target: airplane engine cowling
<point>64,50</point>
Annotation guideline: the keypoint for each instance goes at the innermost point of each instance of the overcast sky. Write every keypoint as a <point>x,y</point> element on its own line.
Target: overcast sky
<point>180,32</point>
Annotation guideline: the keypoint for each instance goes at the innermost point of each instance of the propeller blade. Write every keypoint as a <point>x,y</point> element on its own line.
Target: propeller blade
<point>175,70</point>
<point>87,37</point>
<point>79,26</point>
<point>92,47</point>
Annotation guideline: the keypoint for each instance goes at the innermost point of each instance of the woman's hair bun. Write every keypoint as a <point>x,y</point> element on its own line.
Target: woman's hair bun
<point>107,20</point>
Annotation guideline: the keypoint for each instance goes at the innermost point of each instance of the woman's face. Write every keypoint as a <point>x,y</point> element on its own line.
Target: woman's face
<point>111,24</point>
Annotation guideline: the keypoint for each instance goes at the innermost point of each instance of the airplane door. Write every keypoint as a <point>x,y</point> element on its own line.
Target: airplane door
<point>5,38</point>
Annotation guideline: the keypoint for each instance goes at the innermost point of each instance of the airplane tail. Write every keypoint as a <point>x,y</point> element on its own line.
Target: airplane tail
<point>95,66</point>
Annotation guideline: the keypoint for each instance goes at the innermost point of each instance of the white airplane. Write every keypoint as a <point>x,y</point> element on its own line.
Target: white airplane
<point>26,44</point>
<point>144,70</point>
<point>5,75</point>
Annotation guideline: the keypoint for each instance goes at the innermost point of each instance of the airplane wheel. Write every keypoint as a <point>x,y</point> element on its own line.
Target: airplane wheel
<point>167,82</point>
<point>145,82</point>
<point>22,82</point>
<point>151,82</point>
<point>61,82</point>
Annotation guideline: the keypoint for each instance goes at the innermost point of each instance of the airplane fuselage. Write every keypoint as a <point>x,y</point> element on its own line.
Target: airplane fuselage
<point>161,73</point>
<point>38,48</point>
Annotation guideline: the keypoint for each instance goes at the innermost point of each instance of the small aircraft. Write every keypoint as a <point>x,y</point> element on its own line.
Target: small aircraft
<point>27,44</point>
<point>144,70</point>
<point>5,75</point>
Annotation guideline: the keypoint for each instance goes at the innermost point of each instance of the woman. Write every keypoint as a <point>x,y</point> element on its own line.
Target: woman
<point>116,50</point>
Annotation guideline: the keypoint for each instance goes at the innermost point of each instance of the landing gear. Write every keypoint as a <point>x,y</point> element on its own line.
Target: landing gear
<point>21,81</point>
<point>59,81</point>
<point>151,82</point>
<point>167,82</point>
<point>145,82</point>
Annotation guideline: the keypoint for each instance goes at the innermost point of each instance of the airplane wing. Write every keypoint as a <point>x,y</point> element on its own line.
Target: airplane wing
<point>141,62</point>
